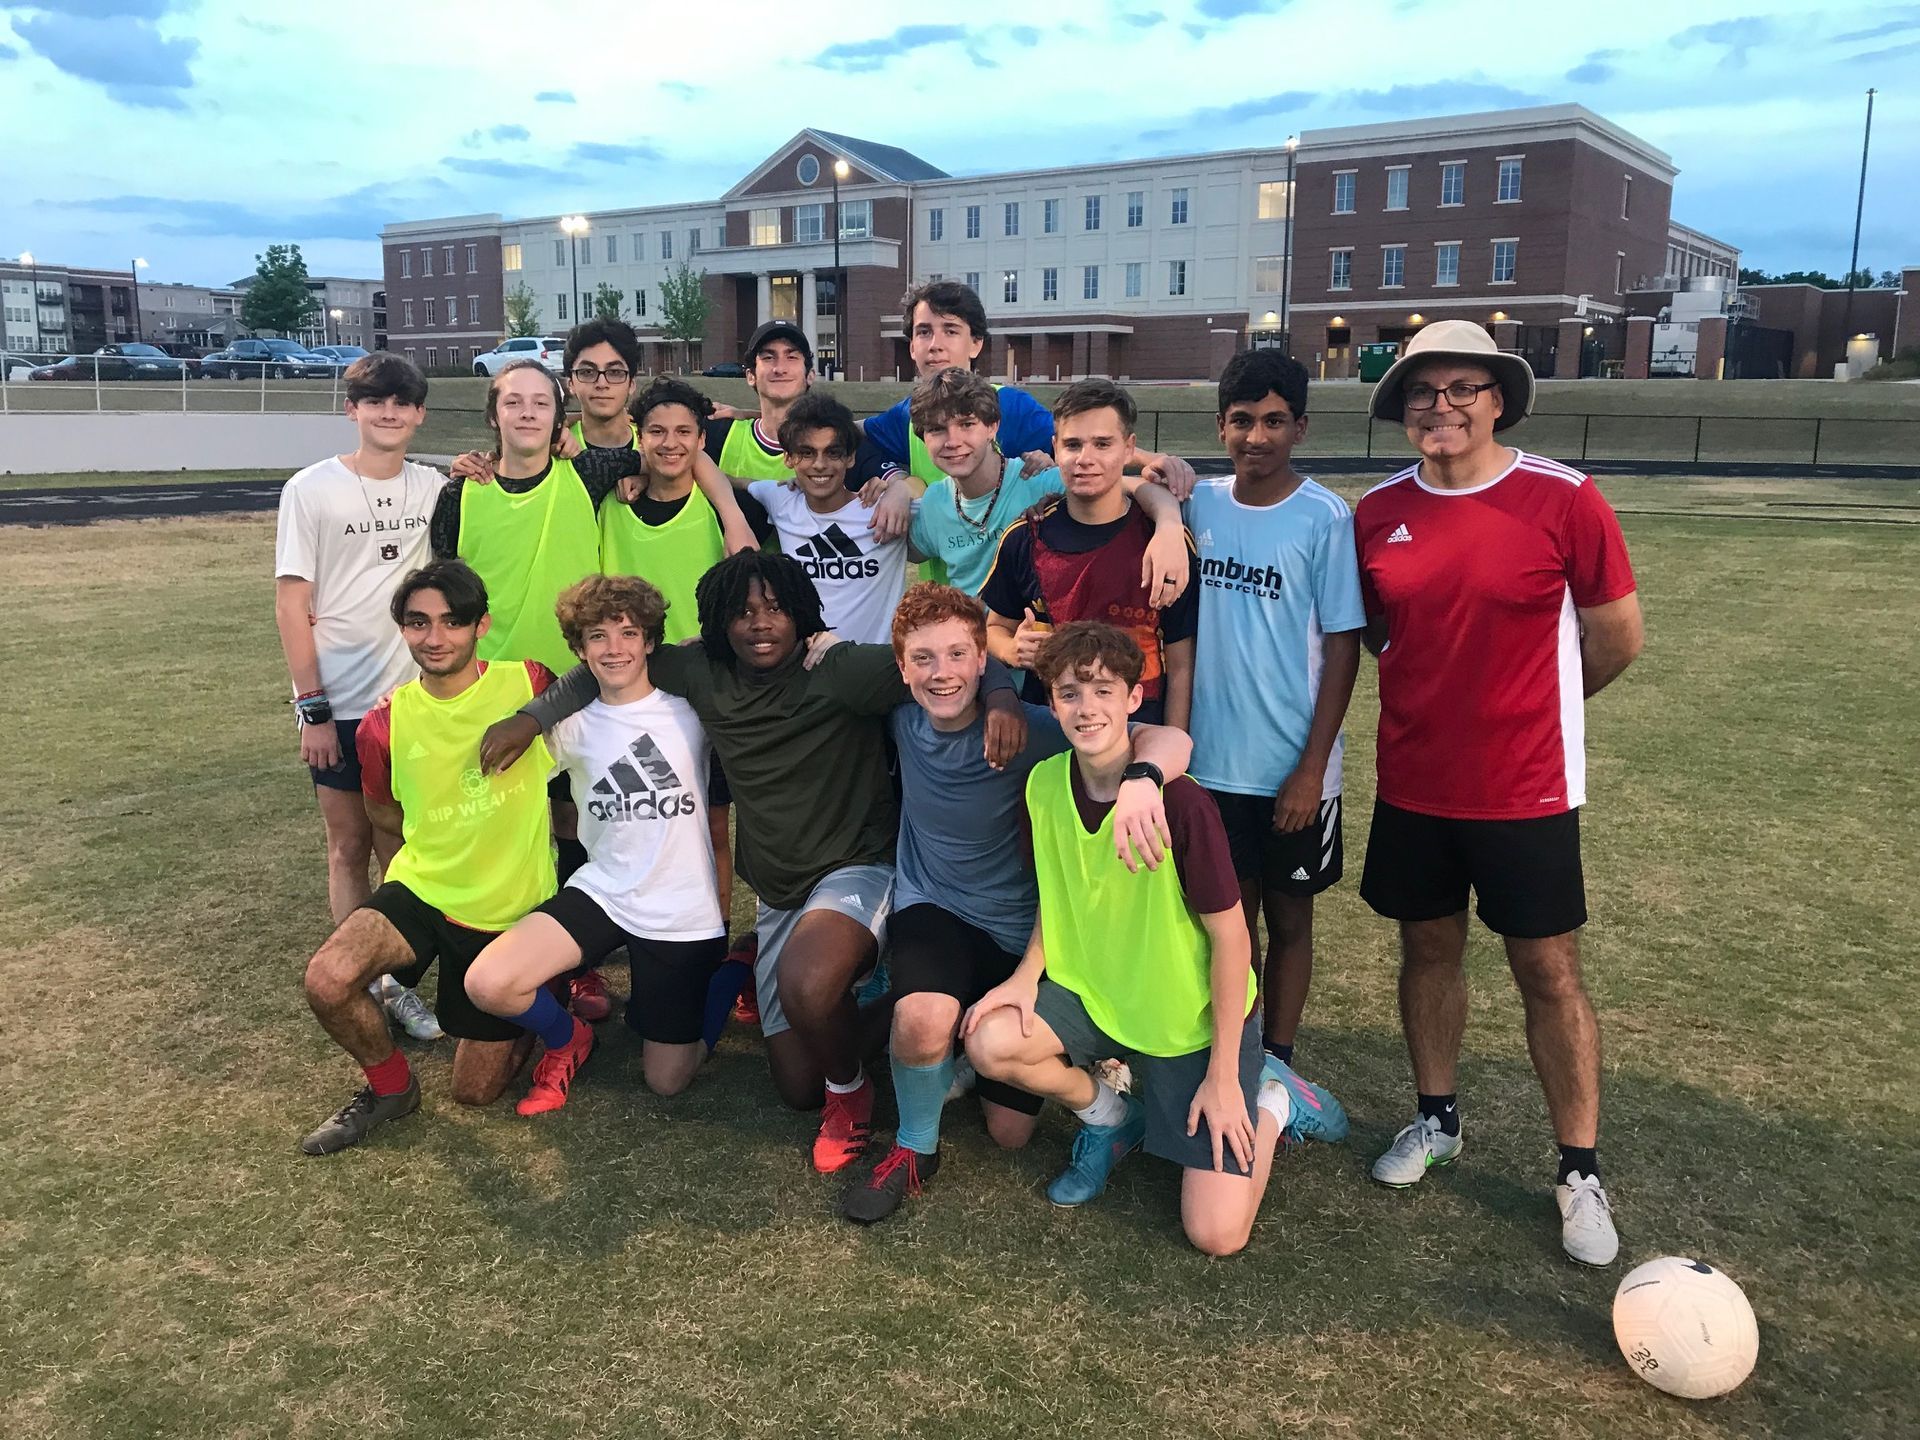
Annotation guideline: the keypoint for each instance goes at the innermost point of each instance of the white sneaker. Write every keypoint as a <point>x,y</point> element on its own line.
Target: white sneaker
<point>964,1079</point>
<point>1416,1150</point>
<point>1586,1220</point>
<point>410,1013</point>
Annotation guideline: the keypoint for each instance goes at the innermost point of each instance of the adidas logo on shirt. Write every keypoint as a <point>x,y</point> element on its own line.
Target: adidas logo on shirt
<point>1400,534</point>
<point>418,752</point>
<point>1300,873</point>
<point>644,789</point>
<point>835,555</point>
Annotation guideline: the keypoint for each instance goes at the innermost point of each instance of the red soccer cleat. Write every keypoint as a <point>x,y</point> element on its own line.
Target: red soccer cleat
<point>844,1128</point>
<point>587,997</point>
<point>553,1076</point>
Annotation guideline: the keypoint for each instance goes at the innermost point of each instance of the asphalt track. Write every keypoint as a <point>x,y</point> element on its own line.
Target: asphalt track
<point>82,505</point>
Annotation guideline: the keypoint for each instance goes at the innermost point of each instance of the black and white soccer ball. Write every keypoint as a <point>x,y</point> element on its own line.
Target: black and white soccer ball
<point>1685,1328</point>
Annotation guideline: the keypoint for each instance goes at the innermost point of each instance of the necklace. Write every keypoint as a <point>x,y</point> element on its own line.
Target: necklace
<point>985,522</point>
<point>374,523</point>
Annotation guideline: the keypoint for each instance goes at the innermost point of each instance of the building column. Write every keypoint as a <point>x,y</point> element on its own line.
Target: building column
<point>1638,364</point>
<point>810,306</point>
<point>1042,360</point>
<point>1506,335</point>
<point>1709,357</point>
<point>997,355</point>
<point>762,297</point>
<point>1566,355</point>
<point>1097,354</point>
<point>1077,366</point>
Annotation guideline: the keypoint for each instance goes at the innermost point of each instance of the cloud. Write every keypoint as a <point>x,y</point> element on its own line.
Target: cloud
<point>554,97</point>
<point>113,44</point>
<point>856,57</point>
<point>680,90</point>
<point>1737,36</point>
<point>1891,27</point>
<point>1235,9</point>
<point>508,132</point>
<point>355,215</point>
<point>1213,116</point>
<point>1596,68</point>
<point>498,169</point>
<point>1439,97</point>
<point>1892,52</point>
<point>7,52</point>
<point>594,152</point>
<point>1144,21</point>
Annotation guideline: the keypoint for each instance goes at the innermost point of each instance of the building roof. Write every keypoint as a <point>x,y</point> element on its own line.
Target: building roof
<point>889,162</point>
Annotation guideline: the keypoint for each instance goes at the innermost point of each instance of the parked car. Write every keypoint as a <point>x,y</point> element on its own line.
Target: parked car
<point>142,362</point>
<point>80,367</point>
<point>16,368</point>
<point>345,354</point>
<point>549,350</point>
<point>188,355</point>
<point>725,370</point>
<point>283,359</point>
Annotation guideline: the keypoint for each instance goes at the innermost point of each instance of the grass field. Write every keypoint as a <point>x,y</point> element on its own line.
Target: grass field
<point>640,1267</point>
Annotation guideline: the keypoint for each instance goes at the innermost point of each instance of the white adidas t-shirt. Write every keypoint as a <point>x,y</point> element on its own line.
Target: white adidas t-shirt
<point>860,582</point>
<point>639,776</point>
<point>354,539</point>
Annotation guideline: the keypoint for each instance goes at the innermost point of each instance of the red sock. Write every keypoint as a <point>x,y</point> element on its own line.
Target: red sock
<point>390,1076</point>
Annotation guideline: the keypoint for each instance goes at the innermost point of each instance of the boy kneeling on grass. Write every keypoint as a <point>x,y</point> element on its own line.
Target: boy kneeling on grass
<point>1153,966</point>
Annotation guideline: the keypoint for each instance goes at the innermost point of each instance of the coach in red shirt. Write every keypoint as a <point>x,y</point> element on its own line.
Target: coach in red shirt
<point>1498,597</point>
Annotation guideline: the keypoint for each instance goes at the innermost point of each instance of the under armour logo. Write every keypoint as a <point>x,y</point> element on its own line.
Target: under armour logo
<point>383,502</point>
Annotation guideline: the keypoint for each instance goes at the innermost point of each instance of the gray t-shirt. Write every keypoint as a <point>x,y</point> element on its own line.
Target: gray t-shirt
<point>961,822</point>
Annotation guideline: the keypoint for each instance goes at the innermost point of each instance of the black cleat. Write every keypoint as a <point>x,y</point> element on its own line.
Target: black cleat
<point>351,1122</point>
<point>884,1188</point>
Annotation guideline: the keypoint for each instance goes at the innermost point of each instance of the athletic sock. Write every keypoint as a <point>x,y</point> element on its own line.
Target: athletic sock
<point>571,856</point>
<point>1282,1053</point>
<point>548,1019</point>
<point>391,1076</point>
<point>1579,1158</point>
<point>1441,1108</point>
<point>1106,1107</point>
<point>847,1087</point>
<point>1272,1097</point>
<point>920,1092</point>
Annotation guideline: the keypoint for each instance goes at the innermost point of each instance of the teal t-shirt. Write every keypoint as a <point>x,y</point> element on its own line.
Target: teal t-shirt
<point>965,539</point>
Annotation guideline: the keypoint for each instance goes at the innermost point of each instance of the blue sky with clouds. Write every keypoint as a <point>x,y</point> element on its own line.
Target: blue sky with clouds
<point>196,132</point>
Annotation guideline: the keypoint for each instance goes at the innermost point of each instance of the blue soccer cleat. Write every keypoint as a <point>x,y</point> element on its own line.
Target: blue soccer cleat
<point>1096,1150</point>
<point>1314,1114</point>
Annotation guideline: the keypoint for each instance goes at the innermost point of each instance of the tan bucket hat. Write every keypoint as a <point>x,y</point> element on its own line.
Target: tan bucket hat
<point>1458,340</point>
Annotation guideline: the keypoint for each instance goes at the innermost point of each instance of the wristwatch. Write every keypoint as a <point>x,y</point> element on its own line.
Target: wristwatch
<point>1144,770</point>
<point>314,710</point>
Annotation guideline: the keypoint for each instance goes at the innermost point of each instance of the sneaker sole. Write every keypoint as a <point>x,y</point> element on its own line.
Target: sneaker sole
<point>1432,1165</point>
<point>1589,1264</point>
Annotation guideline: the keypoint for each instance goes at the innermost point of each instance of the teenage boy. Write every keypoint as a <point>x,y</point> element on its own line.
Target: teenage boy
<point>1084,559</point>
<point>1153,966</point>
<point>958,523</point>
<point>805,753</point>
<point>639,757</point>
<point>349,527</point>
<point>472,856</point>
<point>602,362</point>
<point>963,891</point>
<point>1274,661</point>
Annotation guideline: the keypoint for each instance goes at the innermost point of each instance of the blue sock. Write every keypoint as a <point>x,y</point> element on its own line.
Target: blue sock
<point>920,1091</point>
<point>547,1018</point>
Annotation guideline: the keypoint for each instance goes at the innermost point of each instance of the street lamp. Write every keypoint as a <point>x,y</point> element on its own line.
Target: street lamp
<point>1286,255</point>
<point>337,316</point>
<point>841,330</point>
<point>33,271</point>
<point>134,270</point>
<point>575,226</point>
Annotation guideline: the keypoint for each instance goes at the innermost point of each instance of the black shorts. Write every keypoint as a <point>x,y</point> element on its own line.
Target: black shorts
<point>668,1003</point>
<point>1525,874</point>
<point>1305,862</point>
<point>434,937</point>
<point>345,775</point>
<point>932,951</point>
<point>560,789</point>
<point>719,793</point>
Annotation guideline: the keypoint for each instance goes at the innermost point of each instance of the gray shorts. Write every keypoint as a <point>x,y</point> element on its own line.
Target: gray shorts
<point>1165,1084</point>
<point>862,892</point>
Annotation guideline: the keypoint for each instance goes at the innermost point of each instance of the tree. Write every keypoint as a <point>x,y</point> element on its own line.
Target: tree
<point>523,315</point>
<point>609,303</point>
<point>278,299</point>
<point>1889,280</point>
<point>684,305</point>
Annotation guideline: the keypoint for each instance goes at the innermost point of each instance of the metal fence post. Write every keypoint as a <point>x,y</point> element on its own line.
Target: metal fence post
<point>96,383</point>
<point>1586,425</point>
<point>1369,435</point>
<point>1816,440</point>
<point>1156,430</point>
<point>1699,423</point>
<point>263,389</point>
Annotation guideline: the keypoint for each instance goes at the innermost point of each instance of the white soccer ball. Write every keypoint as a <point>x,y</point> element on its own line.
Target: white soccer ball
<point>1685,1328</point>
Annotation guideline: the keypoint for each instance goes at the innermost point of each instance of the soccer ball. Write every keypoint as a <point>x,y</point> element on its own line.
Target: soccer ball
<point>1685,1328</point>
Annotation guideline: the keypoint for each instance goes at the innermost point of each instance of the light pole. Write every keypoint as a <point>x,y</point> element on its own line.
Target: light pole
<point>1286,255</point>
<point>1859,205</point>
<point>575,226</point>
<point>134,270</point>
<point>336,316</point>
<point>33,272</point>
<point>841,330</point>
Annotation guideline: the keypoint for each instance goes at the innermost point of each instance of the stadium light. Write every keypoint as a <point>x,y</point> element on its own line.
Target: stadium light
<point>575,226</point>
<point>841,170</point>
<point>1286,255</point>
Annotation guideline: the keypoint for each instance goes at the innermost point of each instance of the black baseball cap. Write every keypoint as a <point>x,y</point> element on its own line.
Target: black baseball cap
<point>778,330</point>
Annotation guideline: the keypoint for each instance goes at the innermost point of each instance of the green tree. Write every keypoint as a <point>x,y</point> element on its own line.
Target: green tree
<point>684,306</point>
<point>609,303</point>
<point>523,315</point>
<point>278,299</point>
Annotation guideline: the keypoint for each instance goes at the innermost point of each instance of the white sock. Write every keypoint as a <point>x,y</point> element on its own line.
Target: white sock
<point>1106,1107</point>
<point>1273,1099</point>
<point>859,1079</point>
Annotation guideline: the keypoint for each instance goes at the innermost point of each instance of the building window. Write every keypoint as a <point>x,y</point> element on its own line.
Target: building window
<point>856,219</point>
<point>973,222</point>
<point>560,306</point>
<point>1393,266</point>
<point>809,223</point>
<point>1178,215</point>
<point>1508,187</point>
<point>473,309</point>
<point>426,261</point>
<point>1176,277</point>
<point>453,312</point>
<point>1619,271</point>
<point>1010,219</point>
<point>613,249</point>
<point>473,259</point>
<point>1343,188</point>
<point>509,257</point>
<point>1275,202</point>
<point>1626,196</point>
<point>1453,182</point>
<point>1267,273</point>
<point>666,244</point>
<point>406,264</point>
<point>1136,209</point>
<point>640,303</point>
<point>1446,263</point>
<point>1092,216</point>
<point>1050,217</point>
<point>427,309</point>
<point>586,304</point>
<point>693,242</point>
<point>446,254</point>
<point>559,252</point>
<point>406,314</point>
<point>1505,253</point>
<point>763,226</point>
<point>413,356</point>
<point>973,281</point>
<point>1135,270</point>
<point>433,356</point>
<point>1341,274</point>
<point>1397,187</point>
<point>936,224</point>
<point>1050,283</point>
<point>1010,286</point>
<point>1089,282</point>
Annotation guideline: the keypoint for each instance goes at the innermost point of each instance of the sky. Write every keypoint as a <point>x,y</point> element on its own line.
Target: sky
<point>194,133</point>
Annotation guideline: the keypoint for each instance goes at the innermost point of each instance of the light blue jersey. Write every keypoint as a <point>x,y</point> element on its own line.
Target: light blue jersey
<point>965,539</point>
<point>1274,579</point>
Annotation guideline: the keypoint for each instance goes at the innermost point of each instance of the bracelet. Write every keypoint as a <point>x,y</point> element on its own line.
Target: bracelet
<point>1144,770</point>
<point>313,712</point>
<point>308,695</point>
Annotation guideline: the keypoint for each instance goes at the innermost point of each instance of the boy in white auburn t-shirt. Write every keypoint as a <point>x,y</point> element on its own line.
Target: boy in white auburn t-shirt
<point>350,527</point>
<point>637,758</point>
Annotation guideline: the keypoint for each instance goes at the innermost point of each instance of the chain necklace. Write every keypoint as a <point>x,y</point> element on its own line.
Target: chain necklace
<point>406,491</point>
<point>985,523</point>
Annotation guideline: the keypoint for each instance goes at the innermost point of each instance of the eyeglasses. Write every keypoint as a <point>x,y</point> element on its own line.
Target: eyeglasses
<point>593,374</point>
<point>1460,394</point>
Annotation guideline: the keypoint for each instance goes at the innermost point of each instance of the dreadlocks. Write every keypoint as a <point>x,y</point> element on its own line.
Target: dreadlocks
<point>722,595</point>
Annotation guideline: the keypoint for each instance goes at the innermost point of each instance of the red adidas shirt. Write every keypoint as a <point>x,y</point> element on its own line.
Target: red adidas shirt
<point>1480,687</point>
